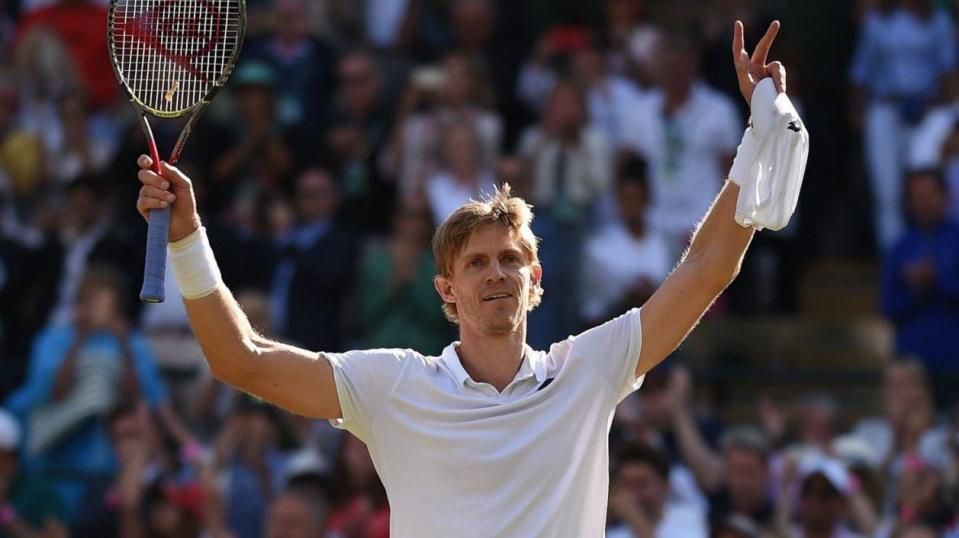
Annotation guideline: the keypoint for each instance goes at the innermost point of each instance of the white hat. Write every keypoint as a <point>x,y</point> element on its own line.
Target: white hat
<point>831,469</point>
<point>305,462</point>
<point>9,431</point>
<point>854,450</point>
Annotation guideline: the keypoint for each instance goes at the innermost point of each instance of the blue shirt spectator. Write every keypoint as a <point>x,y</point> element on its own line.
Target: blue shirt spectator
<point>921,277</point>
<point>902,54</point>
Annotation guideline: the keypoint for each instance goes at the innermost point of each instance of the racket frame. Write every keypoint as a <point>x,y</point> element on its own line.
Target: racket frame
<point>158,221</point>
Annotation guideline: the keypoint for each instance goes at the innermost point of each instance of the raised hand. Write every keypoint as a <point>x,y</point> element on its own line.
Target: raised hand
<point>171,186</point>
<point>751,69</point>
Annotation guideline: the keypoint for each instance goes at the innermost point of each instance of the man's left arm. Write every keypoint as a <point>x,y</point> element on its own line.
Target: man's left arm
<point>718,245</point>
<point>710,264</point>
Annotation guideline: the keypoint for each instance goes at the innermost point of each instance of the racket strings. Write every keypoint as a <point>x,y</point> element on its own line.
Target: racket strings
<point>172,53</point>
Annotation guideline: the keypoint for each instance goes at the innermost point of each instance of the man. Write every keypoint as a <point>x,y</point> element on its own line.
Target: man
<point>921,282</point>
<point>640,499</point>
<point>296,513</point>
<point>492,438</point>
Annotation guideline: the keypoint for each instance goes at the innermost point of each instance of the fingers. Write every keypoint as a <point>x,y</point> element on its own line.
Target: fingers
<point>778,73</point>
<point>762,49</point>
<point>148,177</point>
<point>149,200</point>
<point>172,173</point>
<point>738,42</point>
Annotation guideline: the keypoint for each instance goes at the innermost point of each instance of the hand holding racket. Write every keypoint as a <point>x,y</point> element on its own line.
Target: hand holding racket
<point>171,57</point>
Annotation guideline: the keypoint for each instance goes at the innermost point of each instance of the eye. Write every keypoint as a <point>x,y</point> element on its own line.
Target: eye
<point>511,258</point>
<point>476,262</point>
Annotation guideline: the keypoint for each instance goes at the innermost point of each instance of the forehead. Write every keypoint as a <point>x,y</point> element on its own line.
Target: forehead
<point>491,238</point>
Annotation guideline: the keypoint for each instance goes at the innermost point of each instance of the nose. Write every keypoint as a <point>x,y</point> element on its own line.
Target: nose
<point>496,272</point>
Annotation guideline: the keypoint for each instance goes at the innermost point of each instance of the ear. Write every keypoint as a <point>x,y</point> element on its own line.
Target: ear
<point>536,275</point>
<point>445,288</point>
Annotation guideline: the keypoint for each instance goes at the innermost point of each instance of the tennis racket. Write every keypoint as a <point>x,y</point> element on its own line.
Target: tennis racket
<point>171,57</point>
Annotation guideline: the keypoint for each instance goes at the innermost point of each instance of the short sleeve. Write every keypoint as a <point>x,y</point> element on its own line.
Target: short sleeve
<point>613,349</point>
<point>364,381</point>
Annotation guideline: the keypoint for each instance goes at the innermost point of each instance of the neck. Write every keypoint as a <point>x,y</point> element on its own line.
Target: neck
<point>677,97</point>
<point>637,227</point>
<point>492,359</point>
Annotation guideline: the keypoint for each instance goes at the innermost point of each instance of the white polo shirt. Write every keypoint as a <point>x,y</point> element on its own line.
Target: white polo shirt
<point>460,459</point>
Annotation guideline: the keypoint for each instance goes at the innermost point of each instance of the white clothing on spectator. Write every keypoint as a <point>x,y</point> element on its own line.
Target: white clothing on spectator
<point>587,167</point>
<point>615,260</point>
<point>459,458</point>
<point>446,194</point>
<point>678,520</point>
<point>685,153</point>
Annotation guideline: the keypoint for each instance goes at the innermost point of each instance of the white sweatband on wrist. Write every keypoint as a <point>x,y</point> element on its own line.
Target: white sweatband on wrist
<point>745,156</point>
<point>194,266</point>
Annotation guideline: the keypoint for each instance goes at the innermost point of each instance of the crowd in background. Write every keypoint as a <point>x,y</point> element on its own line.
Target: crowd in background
<point>348,131</point>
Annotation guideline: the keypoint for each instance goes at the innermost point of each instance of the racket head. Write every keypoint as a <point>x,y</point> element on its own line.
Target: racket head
<point>171,55</point>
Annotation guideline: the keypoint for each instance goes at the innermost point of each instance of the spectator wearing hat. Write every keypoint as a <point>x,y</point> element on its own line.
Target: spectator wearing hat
<point>28,504</point>
<point>828,500</point>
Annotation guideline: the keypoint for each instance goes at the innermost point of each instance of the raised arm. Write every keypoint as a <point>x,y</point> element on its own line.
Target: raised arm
<point>294,379</point>
<point>716,252</point>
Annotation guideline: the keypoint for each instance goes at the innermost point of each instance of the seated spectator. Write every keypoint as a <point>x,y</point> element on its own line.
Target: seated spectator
<point>78,373</point>
<point>315,262</point>
<point>359,501</point>
<point>358,127</point>
<point>259,158</point>
<point>923,495</point>
<point>824,488</point>
<point>920,284</point>
<point>396,303</point>
<point>248,458</point>
<point>31,504</point>
<point>687,132</point>
<point>436,98</point>
<point>297,513</point>
<point>461,175</point>
<point>21,153</point>
<point>626,260</point>
<point>640,504</point>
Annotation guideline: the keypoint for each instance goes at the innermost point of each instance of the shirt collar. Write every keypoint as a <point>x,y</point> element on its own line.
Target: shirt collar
<point>532,366</point>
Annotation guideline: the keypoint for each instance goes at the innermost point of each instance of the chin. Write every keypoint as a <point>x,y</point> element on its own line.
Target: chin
<point>502,326</point>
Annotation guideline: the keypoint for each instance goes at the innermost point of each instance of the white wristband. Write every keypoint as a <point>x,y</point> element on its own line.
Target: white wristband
<point>194,266</point>
<point>745,156</point>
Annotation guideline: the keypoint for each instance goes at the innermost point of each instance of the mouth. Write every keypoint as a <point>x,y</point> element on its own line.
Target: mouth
<point>497,297</point>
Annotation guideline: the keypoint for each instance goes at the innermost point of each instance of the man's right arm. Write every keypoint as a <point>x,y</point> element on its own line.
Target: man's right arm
<point>289,377</point>
<point>294,379</point>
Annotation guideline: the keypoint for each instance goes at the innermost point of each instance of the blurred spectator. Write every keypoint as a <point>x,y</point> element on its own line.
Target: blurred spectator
<point>81,24</point>
<point>570,167</point>
<point>314,265</point>
<point>824,490</point>
<point>359,123</point>
<point>609,97</point>
<point>251,464</point>
<point>157,490</point>
<point>260,157</point>
<point>438,96</point>
<point>921,279</point>
<point>85,235</point>
<point>296,513</point>
<point>687,132</point>
<point>21,153</point>
<point>30,503</point>
<point>625,261</point>
<point>639,500</point>
<point>905,47</point>
<point>396,303</point>
<point>462,174</point>
<point>304,66</point>
<point>923,496</point>
<point>79,370</point>
<point>83,150</point>
<point>360,508</point>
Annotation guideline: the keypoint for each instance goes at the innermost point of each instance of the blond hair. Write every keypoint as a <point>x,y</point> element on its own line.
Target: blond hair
<point>454,233</point>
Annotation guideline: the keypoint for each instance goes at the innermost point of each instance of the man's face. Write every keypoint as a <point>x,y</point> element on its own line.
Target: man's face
<point>316,196</point>
<point>358,83</point>
<point>291,517</point>
<point>647,486</point>
<point>821,506</point>
<point>746,478</point>
<point>491,282</point>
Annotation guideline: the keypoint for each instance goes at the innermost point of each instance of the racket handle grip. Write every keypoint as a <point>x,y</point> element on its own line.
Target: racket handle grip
<point>154,269</point>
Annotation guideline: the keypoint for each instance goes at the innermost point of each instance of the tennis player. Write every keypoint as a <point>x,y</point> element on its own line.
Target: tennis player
<point>491,438</point>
